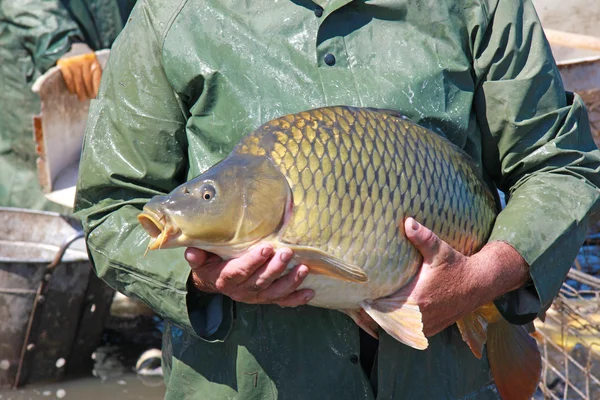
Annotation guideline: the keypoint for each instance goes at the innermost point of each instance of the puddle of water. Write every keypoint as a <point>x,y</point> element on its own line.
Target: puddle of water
<point>126,387</point>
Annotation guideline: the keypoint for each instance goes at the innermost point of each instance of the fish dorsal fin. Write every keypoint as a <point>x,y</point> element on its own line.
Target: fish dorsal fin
<point>319,262</point>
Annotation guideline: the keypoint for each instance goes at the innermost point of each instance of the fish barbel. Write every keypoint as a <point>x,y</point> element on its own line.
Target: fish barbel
<point>335,185</point>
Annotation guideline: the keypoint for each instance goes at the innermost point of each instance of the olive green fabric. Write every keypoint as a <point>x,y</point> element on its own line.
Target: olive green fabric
<point>186,80</point>
<point>34,34</point>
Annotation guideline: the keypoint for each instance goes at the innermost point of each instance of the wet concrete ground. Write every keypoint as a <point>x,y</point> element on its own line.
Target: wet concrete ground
<point>130,332</point>
<point>126,387</point>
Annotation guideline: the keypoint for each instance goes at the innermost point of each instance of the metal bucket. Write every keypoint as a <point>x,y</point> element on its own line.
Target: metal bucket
<point>52,306</point>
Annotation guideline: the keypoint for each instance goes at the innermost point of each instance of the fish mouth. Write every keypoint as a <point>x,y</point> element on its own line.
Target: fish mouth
<point>161,230</point>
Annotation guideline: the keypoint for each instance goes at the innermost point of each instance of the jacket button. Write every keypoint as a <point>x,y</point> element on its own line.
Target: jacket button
<point>318,12</point>
<point>354,359</point>
<point>329,59</point>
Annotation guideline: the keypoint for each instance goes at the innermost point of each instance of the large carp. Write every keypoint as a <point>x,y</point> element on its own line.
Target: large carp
<point>335,185</point>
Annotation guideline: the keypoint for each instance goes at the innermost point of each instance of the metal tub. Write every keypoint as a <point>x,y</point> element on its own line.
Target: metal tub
<point>52,306</point>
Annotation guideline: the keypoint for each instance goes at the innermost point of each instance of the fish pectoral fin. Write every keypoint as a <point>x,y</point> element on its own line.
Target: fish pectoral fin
<point>515,360</point>
<point>473,329</point>
<point>319,262</point>
<point>400,318</point>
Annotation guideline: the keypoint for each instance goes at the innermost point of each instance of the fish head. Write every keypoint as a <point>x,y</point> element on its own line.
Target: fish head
<point>225,210</point>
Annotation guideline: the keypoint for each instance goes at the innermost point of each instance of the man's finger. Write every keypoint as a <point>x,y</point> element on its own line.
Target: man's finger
<point>283,286</point>
<point>78,82</point>
<point>202,284</point>
<point>96,77</point>
<point>297,298</point>
<point>265,275</point>
<point>67,77</point>
<point>86,75</point>
<point>238,270</point>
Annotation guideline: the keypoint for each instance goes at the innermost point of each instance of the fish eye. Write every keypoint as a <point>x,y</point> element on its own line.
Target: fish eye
<point>207,191</point>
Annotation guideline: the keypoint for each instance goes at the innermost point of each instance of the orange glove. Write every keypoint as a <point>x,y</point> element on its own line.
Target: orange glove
<point>81,74</point>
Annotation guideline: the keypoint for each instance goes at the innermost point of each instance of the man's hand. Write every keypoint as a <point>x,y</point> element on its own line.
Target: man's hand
<point>450,284</point>
<point>82,74</point>
<point>253,278</point>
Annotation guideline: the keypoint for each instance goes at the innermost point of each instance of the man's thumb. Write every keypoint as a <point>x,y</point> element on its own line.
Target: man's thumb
<point>423,239</point>
<point>195,257</point>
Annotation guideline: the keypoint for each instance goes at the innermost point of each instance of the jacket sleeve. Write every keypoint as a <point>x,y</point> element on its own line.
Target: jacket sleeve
<point>537,147</point>
<point>100,21</point>
<point>44,28</point>
<point>136,147</point>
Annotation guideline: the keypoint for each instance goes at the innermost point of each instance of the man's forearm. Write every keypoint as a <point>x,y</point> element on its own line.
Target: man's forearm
<point>499,269</point>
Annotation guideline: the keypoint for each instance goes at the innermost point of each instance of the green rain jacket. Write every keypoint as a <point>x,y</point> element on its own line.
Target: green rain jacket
<point>187,79</point>
<point>34,34</point>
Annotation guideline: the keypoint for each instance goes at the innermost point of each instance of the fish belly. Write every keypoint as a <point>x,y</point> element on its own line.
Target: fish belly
<point>387,273</point>
<point>340,295</point>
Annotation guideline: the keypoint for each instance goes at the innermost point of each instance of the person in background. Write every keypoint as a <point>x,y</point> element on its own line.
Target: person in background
<point>185,81</point>
<point>36,35</point>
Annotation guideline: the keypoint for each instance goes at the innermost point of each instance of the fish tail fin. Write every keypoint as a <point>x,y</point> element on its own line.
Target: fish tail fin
<point>515,360</point>
<point>400,318</point>
<point>473,329</point>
